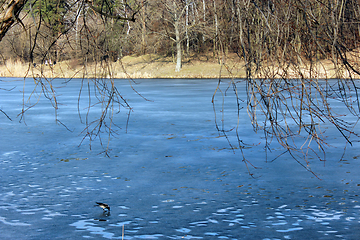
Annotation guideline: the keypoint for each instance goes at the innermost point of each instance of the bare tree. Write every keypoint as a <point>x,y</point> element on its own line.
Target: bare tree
<point>55,27</point>
<point>283,45</point>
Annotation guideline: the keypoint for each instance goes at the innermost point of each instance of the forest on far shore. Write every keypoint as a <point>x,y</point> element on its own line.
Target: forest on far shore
<point>271,37</point>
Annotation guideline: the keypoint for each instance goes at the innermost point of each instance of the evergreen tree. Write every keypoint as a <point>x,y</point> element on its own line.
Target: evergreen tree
<point>52,12</point>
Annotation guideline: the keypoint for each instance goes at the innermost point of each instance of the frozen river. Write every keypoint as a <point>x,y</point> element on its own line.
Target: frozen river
<point>169,177</point>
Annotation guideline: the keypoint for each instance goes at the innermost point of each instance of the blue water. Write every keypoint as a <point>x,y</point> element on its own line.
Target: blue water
<point>169,176</point>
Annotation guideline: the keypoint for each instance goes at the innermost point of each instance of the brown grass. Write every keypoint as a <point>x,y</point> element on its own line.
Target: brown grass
<point>154,66</point>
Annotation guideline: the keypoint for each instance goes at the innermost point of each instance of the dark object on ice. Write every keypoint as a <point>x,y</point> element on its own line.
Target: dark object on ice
<point>104,206</point>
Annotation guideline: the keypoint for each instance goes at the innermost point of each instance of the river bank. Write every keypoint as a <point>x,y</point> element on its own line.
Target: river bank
<point>154,66</point>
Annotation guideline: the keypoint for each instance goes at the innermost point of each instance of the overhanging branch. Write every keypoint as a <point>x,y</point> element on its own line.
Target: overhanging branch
<point>117,17</point>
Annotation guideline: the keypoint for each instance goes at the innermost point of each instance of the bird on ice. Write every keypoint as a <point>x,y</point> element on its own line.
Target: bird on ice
<point>104,206</point>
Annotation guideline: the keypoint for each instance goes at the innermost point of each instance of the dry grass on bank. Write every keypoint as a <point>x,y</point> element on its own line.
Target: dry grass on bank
<point>147,66</point>
<point>154,66</point>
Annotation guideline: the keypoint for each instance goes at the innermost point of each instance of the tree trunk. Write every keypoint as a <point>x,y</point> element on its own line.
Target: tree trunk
<point>177,39</point>
<point>178,47</point>
<point>216,28</point>
<point>9,13</point>
<point>143,29</point>
<point>186,30</point>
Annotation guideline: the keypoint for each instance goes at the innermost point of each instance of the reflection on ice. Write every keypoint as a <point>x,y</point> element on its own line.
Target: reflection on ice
<point>14,222</point>
<point>320,216</point>
<point>93,229</point>
<point>6,154</point>
<point>183,230</point>
<point>155,236</point>
<point>290,230</point>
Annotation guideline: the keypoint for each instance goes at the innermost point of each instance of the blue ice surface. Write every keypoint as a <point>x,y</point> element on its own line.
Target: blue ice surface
<point>169,176</point>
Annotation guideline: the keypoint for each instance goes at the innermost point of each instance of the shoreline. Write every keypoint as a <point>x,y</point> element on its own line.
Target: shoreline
<point>153,66</point>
